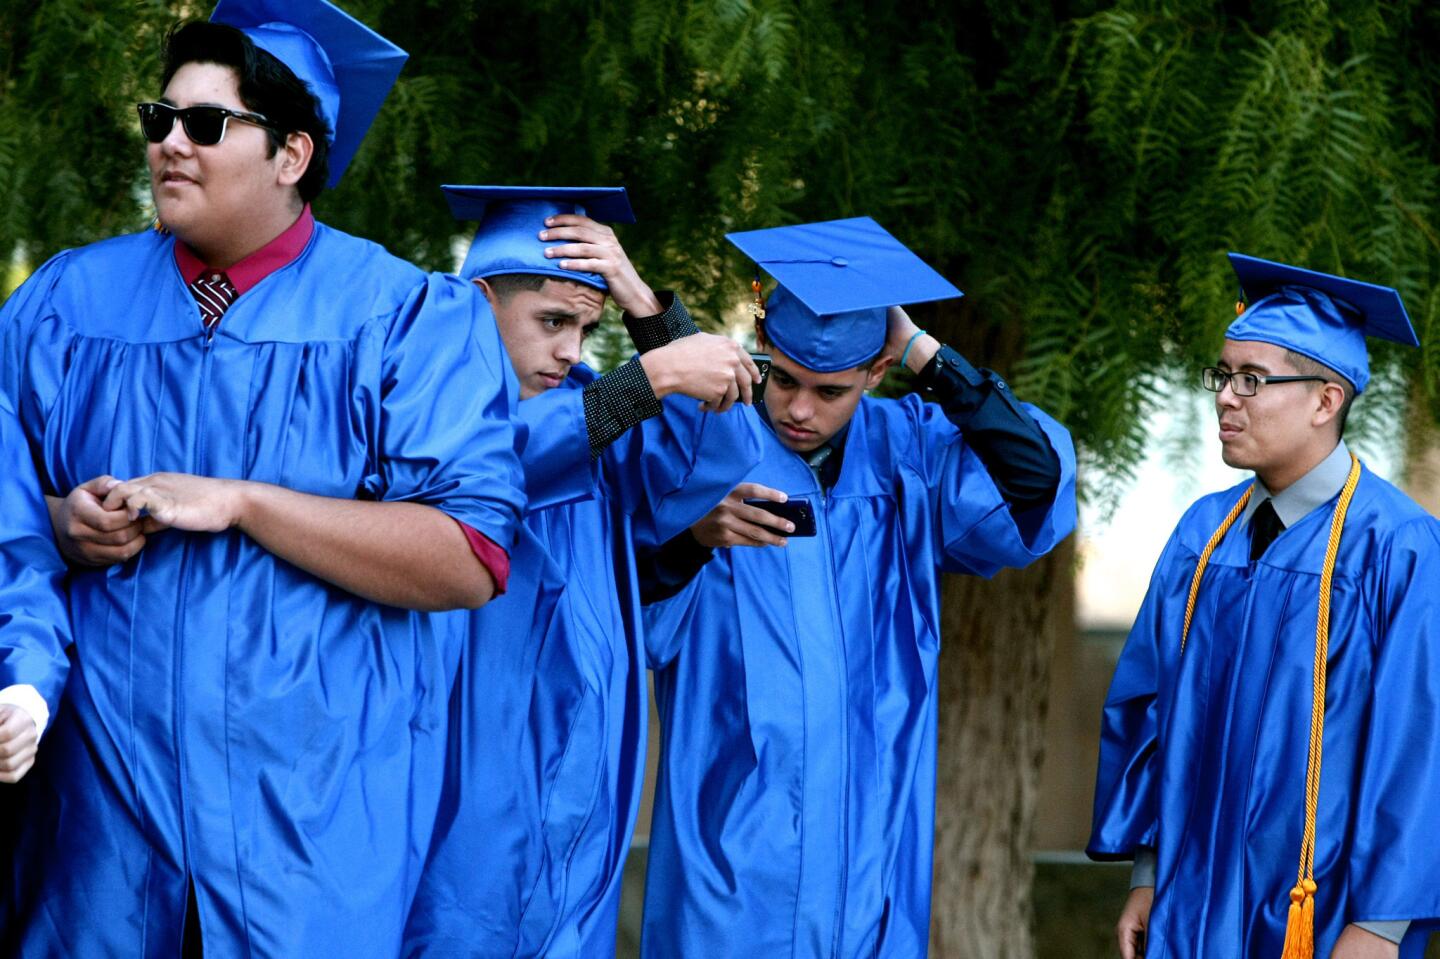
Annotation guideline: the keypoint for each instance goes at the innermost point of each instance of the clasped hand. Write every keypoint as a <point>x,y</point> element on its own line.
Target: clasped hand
<point>105,520</point>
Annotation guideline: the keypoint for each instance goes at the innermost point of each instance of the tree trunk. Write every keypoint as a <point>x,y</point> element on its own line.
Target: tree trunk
<point>994,684</point>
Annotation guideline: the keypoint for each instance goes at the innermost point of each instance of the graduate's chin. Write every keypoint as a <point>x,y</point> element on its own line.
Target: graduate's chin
<point>1234,458</point>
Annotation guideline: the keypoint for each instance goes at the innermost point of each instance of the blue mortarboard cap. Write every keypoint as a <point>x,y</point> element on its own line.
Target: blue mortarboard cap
<point>836,280</point>
<point>1318,315</point>
<point>349,67</point>
<point>511,218</point>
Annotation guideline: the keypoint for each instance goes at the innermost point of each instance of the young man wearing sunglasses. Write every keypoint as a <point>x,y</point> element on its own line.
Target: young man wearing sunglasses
<point>248,419</point>
<point>795,671</point>
<point>549,713</point>
<point>1267,745</point>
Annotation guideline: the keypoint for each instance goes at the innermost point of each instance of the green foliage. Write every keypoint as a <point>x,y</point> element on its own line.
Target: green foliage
<point>1079,168</point>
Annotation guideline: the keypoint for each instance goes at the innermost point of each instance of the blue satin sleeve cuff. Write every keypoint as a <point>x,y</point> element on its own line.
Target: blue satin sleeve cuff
<point>448,430</point>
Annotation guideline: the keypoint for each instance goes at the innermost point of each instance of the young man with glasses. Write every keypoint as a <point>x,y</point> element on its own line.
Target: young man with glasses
<point>1266,753</point>
<point>262,471</point>
<point>795,658</point>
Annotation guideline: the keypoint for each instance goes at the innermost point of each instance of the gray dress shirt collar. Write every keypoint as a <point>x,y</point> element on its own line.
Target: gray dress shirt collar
<point>1309,492</point>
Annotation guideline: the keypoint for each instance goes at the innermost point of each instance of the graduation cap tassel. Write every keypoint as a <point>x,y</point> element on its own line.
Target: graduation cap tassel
<point>1300,921</point>
<point>757,309</point>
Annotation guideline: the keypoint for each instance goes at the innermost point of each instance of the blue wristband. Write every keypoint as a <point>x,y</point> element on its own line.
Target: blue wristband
<point>909,343</point>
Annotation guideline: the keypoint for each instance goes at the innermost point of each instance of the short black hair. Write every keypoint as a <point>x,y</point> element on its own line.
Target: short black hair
<point>1305,366</point>
<point>507,285</point>
<point>267,87</point>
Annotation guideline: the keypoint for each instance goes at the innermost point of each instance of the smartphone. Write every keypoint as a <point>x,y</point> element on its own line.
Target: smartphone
<point>796,510</point>
<point>762,360</point>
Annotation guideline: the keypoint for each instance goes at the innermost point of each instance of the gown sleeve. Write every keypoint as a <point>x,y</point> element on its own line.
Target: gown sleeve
<point>1127,781</point>
<point>1395,858</point>
<point>671,470</point>
<point>558,466</point>
<point>31,387</point>
<point>977,531</point>
<point>34,622</point>
<point>448,436</point>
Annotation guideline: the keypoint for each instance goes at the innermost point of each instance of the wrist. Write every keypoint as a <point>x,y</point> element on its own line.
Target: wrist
<point>635,297</point>
<point>657,372</point>
<point>921,351</point>
<point>240,503</point>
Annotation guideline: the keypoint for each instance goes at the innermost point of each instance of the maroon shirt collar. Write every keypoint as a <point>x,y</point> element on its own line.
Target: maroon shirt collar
<point>279,252</point>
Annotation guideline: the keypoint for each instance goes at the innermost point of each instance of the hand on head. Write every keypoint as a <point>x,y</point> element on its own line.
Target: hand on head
<point>902,334</point>
<point>586,246</point>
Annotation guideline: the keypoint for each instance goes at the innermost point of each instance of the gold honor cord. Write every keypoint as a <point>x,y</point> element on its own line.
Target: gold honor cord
<point>1300,922</point>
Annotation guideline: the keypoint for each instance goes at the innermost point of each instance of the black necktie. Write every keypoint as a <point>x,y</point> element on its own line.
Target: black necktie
<point>1265,525</point>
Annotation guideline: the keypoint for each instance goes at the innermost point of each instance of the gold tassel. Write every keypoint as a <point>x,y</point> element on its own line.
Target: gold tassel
<point>1300,921</point>
<point>1300,924</point>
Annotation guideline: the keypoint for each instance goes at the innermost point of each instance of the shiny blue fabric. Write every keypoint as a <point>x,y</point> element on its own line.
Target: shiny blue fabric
<point>549,714</point>
<point>347,66</point>
<point>34,624</point>
<point>1203,755</point>
<point>229,718</point>
<point>825,344</point>
<point>1312,324</point>
<point>795,809</point>
<point>508,242</point>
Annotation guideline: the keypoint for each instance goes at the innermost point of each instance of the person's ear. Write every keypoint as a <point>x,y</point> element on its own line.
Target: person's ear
<point>294,155</point>
<point>878,369</point>
<point>1331,400</point>
<point>489,292</point>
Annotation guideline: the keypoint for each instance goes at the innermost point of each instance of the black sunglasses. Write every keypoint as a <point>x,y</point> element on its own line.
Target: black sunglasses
<point>205,126</point>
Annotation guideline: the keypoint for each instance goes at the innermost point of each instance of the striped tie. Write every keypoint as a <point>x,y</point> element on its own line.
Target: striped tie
<point>214,294</point>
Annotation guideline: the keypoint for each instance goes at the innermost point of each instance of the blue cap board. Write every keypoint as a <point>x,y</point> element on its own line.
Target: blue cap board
<point>349,67</point>
<point>511,218</point>
<point>1318,315</point>
<point>836,281</point>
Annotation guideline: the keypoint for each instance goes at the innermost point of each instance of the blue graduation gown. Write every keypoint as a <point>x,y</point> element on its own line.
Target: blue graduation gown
<point>1203,755</point>
<point>231,719</point>
<point>549,713</point>
<point>34,623</point>
<point>795,809</point>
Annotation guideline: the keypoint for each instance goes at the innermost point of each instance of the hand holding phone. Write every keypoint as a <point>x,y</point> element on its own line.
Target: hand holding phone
<point>746,518</point>
<point>796,511</point>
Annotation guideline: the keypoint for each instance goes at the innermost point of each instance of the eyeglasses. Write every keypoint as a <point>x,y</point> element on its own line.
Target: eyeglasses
<point>205,126</point>
<point>1244,383</point>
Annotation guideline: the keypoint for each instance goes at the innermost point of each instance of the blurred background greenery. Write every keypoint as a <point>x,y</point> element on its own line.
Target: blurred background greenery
<point>1079,168</point>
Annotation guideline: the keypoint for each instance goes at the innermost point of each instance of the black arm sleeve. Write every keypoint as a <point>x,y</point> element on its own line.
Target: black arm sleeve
<point>617,401</point>
<point>650,332</point>
<point>1007,439</point>
<point>623,398</point>
<point>666,571</point>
